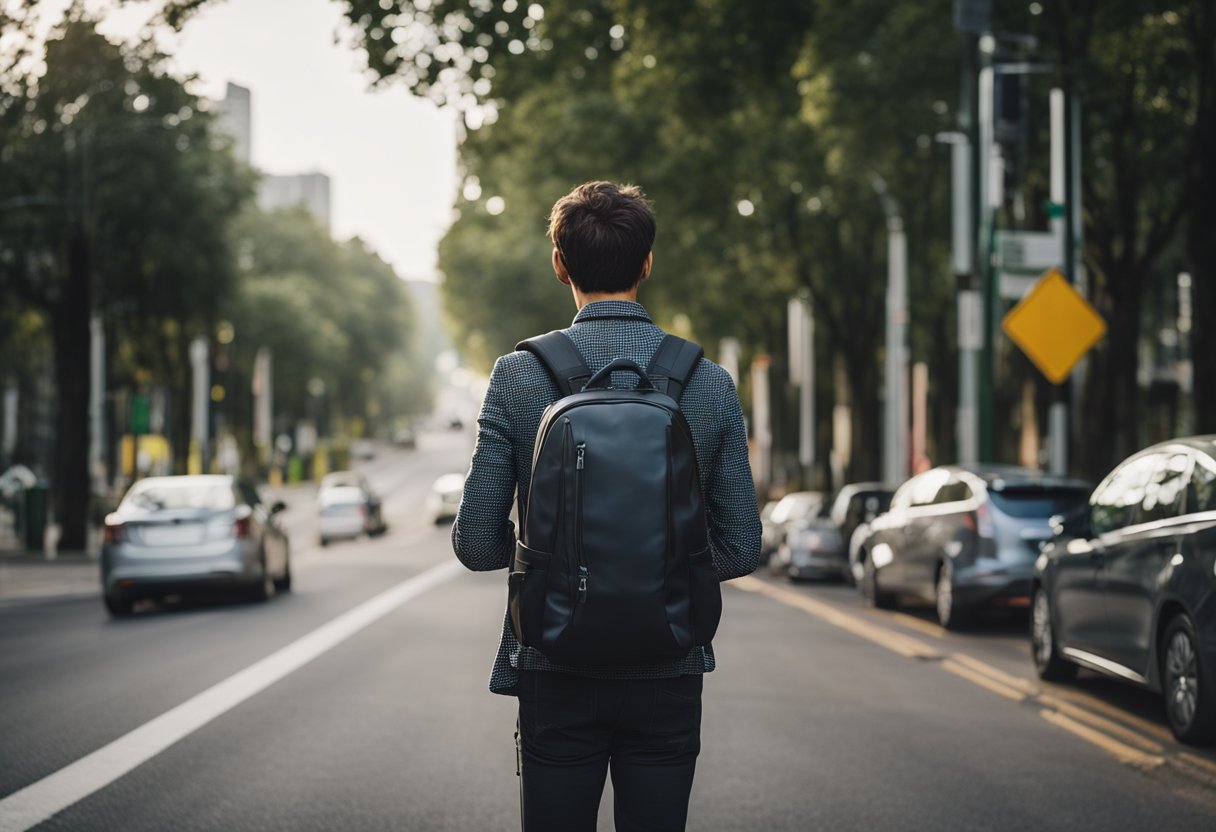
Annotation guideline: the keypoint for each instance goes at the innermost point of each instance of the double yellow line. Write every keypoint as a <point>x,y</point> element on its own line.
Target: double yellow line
<point>1070,710</point>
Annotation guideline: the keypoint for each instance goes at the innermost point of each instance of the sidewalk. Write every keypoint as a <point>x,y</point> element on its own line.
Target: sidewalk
<point>29,577</point>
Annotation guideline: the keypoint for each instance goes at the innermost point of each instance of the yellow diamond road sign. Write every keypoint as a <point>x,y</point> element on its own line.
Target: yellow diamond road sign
<point>1054,326</point>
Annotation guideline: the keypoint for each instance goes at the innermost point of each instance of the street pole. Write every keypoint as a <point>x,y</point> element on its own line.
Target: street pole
<point>263,399</point>
<point>200,362</point>
<point>1057,423</point>
<point>895,410</point>
<point>984,217</point>
<point>728,357</point>
<point>802,374</point>
<point>97,399</point>
<point>761,428</point>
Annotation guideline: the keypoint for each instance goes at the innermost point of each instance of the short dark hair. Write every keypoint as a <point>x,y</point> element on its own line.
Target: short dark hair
<point>603,233</point>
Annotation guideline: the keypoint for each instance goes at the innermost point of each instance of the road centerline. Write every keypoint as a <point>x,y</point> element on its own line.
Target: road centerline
<point>45,798</point>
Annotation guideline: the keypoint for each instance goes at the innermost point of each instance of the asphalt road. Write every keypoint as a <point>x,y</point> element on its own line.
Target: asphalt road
<point>359,702</point>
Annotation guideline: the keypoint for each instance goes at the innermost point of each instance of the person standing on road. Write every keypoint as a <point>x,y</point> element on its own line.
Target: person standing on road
<point>576,722</point>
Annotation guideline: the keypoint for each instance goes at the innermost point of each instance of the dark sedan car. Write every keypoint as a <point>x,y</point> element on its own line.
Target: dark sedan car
<point>172,535</point>
<point>964,538</point>
<point>819,547</point>
<point>1128,585</point>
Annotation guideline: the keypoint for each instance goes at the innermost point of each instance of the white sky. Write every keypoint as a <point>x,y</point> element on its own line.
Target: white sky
<point>391,157</point>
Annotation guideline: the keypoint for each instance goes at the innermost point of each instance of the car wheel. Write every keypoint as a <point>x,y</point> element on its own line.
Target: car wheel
<point>944,601</point>
<point>869,586</point>
<point>119,607</point>
<point>266,586</point>
<point>1190,703</point>
<point>283,584</point>
<point>1051,666</point>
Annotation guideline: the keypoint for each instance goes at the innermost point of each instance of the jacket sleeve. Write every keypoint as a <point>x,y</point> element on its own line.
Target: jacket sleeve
<point>730,498</point>
<point>483,536</point>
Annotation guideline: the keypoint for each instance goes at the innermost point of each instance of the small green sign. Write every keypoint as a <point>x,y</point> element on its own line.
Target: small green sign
<point>141,414</point>
<point>1055,210</point>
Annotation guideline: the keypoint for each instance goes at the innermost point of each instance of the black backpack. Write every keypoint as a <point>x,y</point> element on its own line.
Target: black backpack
<point>613,565</point>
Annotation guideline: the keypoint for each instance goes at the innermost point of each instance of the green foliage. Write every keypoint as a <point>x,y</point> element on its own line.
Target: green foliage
<point>334,312</point>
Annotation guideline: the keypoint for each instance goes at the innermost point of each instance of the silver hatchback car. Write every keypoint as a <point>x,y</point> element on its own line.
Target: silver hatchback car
<point>172,535</point>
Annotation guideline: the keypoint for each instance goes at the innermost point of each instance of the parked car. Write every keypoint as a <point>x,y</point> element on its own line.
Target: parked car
<point>405,438</point>
<point>964,538</point>
<point>172,535</point>
<point>362,449</point>
<point>788,510</point>
<point>818,547</point>
<point>444,500</point>
<point>1128,585</point>
<point>347,507</point>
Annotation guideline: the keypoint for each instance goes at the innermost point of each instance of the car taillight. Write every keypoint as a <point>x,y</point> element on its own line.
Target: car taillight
<point>242,527</point>
<point>114,533</point>
<point>983,521</point>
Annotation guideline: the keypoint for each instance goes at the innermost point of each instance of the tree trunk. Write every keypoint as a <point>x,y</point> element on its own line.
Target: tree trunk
<point>1202,219</point>
<point>1110,427</point>
<point>70,333</point>
<point>867,416</point>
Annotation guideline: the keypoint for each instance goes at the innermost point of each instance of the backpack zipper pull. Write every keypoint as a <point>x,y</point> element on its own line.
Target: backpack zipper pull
<point>580,462</point>
<point>582,584</point>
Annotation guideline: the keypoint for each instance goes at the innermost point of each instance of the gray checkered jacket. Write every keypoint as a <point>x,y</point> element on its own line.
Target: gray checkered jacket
<point>520,390</point>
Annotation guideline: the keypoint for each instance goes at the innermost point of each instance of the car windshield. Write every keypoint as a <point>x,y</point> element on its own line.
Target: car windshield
<point>1036,501</point>
<point>167,495</point>
<point>796,506</point>
<point>339,479</point>
<point>340,495</point>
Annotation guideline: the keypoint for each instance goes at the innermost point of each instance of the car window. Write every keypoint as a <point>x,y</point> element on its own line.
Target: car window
<point>1165,488</point>
<point>1026,502</point>
<point>247,493</point>
<point>1201,494</point>
<point>1116,502</point>
<point>185,493</point>
<point>954,492</point>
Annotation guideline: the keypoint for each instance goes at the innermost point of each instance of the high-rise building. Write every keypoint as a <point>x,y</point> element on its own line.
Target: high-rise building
<point>236,117</point>
<point>308,189</point>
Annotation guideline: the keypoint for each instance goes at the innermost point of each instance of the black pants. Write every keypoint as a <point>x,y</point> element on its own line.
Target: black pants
<point>573,729</point>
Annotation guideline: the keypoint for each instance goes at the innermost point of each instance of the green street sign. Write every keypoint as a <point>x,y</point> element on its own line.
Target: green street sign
<point>141,414</point>
<point>1055,210</point>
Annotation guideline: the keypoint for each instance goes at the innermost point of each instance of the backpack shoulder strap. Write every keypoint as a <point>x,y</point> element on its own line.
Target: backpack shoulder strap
<point>673,364</point>
<point>561,359</point>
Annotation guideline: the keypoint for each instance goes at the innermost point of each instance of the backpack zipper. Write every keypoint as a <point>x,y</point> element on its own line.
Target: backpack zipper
<point>579,465</point>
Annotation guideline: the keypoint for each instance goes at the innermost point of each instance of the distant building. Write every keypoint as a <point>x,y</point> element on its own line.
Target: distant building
<point>308,189</point>
<point>236,116</point>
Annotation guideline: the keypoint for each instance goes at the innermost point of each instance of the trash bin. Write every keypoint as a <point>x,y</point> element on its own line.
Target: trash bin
<point>33,523</point>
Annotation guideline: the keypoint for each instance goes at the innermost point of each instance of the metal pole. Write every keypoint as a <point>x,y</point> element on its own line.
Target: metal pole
<point>200,362</point>
<point>1057,423</point>
<point>806,395</point>
<point>896,462</point>
<point>761,428</point>
<point>984,128</point>
<point>728,354</point>
<point>97,398</point>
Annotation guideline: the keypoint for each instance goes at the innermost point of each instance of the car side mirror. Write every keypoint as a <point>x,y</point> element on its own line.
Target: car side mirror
<point>277,506</point>
<point>1074,524</point>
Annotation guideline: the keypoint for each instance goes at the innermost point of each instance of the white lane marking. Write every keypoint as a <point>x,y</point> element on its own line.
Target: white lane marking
<point>52,794</point>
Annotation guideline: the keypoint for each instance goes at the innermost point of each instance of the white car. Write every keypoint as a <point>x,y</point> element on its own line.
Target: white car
<point>444,500</point>
<point>341,513</point>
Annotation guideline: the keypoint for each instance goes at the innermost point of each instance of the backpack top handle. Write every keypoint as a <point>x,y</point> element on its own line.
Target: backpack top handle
<point>604,376</point>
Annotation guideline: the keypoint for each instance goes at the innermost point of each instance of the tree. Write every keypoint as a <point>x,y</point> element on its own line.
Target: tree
<point>119,193</point>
